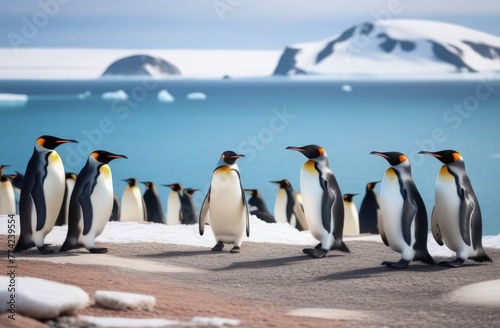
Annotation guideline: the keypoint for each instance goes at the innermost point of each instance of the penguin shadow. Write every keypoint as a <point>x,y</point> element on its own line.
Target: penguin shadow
<point>267,263</point>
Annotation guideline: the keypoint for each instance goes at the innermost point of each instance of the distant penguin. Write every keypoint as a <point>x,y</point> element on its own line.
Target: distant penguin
<point>132,204</point>
<point>62,219</point>
<point>174,204</point>
<point>351,218</point>
<point>189,212</point>
<point>7,194</point>
<point>17,183</point>
<point>404,217</point>
<point>42,194</point>
<point>91,202</point>
<point>115,212</point>
<point>322,200</point>
<point>258,207</point>
<point>225,204</point>
<point>369,212</point>
<point>154,210</point>
<point>456,217</point>
<point>287,206</point>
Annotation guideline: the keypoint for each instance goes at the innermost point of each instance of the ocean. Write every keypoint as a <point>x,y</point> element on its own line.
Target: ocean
<point>182,140</point>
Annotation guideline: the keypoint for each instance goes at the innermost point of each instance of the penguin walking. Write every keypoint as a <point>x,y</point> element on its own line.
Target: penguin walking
<point>288,207</point>
<point>91,202</point>
<point>225,204</point>
<point>351,218</point>
<point>322,200</point>
<point>189,212</point>
<point>369,211</point>
<point>404,223</point>
<point>42,194</point>
<point>174,203</point>
<point>154,210</point>
<point>132,203</point>
<point>456,217</point>
<point>258,207</point>
<point>7,194</point>
<point>62,218</point>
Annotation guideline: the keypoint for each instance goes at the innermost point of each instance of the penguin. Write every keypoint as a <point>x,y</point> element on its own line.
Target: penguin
<point>17,182</point>
<point>189,212</point>
<point>287,206</point>
<point>369,212</point>
<point>225,204</point>
<point>7,194</point>
<point>174,204</point>
<point>62,218</point>
<point>322,201</point>
<point>351,218</point>
<point>42,194</point>
<point>154,210</point>
<point>404,217</point>
<point>456,217</point>
<point>132,203</point>
<point>258,207</point>
<point>115,212</point>
<point>91,202</point>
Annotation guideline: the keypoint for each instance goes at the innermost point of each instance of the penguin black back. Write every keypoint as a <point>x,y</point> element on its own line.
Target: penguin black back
<point>152,201</point>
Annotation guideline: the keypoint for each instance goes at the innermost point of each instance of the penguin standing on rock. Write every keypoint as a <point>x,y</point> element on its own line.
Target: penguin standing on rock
<point>288,207</point>
<point>91,203</point>
<point>258,207</point>
<point>154,210</point>
<point>404,223</point>
<point>322,200</point>
<point>369,212</point>
<point>456,217</point>
<point>42,194</point>
<point>225,205</point>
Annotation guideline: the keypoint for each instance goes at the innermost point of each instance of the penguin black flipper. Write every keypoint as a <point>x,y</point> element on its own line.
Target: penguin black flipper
<point>327,204</point>
<point>467,214</point>
<point>39,200</point>
<point>330,211</point>
<point>245,207</point>
<point>436,230</point>
<point>204,212</point>
<point>408,216</point>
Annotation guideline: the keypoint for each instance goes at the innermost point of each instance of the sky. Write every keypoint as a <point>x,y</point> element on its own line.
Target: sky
<point>215,24</point>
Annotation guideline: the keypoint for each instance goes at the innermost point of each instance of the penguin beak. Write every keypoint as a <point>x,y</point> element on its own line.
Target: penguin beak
<point>63,141</point>
<point>237,156</point>
<point>430,153</point>
<point>379,154</point>
<point>296,148</point>
<point>117,156</point>
<point>250,191</point>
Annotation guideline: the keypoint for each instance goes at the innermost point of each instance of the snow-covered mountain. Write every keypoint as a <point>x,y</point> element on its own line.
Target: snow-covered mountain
<point>399,46</point>
<point>141,65</point>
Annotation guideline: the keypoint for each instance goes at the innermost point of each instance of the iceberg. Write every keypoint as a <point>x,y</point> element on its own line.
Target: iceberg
<point>13,100</point>
<point>115,95</point>
<point>165,96</point>
<point>196,96</point>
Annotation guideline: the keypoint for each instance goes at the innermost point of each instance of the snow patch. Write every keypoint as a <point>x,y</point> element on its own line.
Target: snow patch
<point>117,322</point>
<point>122,301</point>
<point>115,95</point>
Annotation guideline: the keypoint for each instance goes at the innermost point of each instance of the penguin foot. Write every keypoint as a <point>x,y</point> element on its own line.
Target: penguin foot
<point>45,249</point>
<point>98,250</point>
<point>453,264</point>
<point>311,250</point>
<point>396,265</point>
<point>218,247</point>
<point>318,253</point>
<point>318,246</point>
<point>235,249</point>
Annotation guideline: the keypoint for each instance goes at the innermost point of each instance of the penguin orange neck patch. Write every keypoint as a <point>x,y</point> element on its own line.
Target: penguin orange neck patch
<point>310,166</point>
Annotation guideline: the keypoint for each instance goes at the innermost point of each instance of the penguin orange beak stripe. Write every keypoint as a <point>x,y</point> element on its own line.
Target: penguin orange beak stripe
<point>61,141</point>
<point>238,156</point>
<point>118,156</point>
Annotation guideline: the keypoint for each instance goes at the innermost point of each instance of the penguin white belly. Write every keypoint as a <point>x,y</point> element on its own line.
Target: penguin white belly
<point>447,210</point>
<point>280,206</point>
<point>312,198</point>
<point>173,208</point>
<point>53,190</point>
<point>102,206</point>
<point>351,219</point>
<point>227,211</point>
<point>132,209</point>
<point>391,205</point>
<point>7,198</point>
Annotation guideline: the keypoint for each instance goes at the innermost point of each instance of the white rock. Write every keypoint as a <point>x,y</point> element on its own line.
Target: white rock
<point>122,301</point>
<point>481,293</point>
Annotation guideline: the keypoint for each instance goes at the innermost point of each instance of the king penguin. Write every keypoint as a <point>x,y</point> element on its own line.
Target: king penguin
<point>154,210</point>
<point>17,183</point>
<point>258,207</point>
<point>456,217</point>
<point>369,211</point>
<point>404,217</point>
<point>132,204</point>
<point>287,207</point>
<point>351,218</point>
<point>42,194</point>
<point>174,203</point>
<point>7,194</point>
<point>225,204</point>
<point>91,202</point>
<point>322,201</point>
<point>189,212</point>
<point>62,218</point>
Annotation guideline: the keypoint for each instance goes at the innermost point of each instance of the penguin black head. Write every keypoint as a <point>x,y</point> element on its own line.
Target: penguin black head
<point>105,156</point>
<point>131,182</point>
<point>191,191</point>
<point>393,157</point>
<point>348,197</point>
<point>309,151</point>
<point>230,157</point>
<point>446,156</point>
<point>174,186</point>
<point>148,184</point>
<point>2,167</point>
<point>51,142</point>
<point>371,185</point>
<point>282,183</point>
<point>253,192</point>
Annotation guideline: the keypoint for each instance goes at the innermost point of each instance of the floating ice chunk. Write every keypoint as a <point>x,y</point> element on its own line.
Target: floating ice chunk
<point>120,95</point>
<point>12,100</point>
<point>122,301</point>
<point>165,96</point>
<point>41,299</point>
<point>346,88</point>
<point>84,95</point>
<point>196,96</point>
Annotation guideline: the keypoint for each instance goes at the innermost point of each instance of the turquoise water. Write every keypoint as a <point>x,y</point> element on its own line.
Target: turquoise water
<point>182,141</point>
